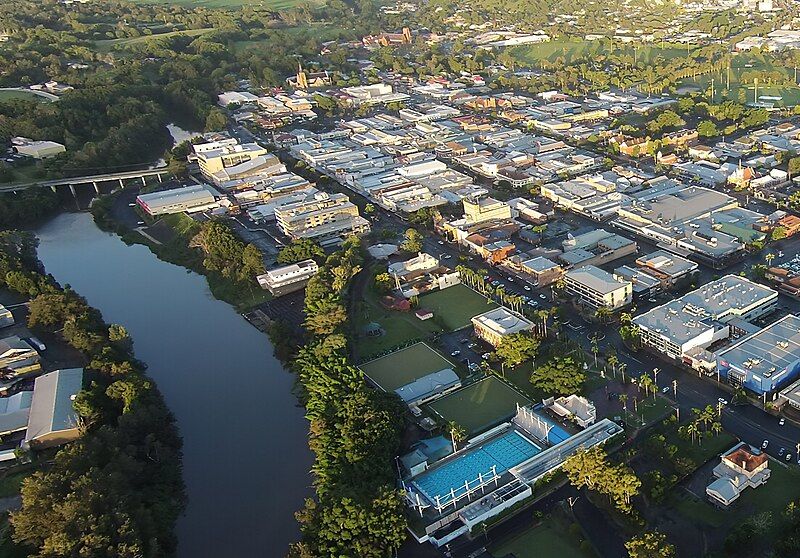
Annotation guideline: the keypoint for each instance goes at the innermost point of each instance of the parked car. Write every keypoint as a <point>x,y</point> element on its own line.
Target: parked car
<point>788,457</point>
<point>764,444</point>
<point>527,287</point>
<point>485,356</point>
<point>782,421</point>
<point>455,353</point>
<point>665,389</point>
<point>722,401</point>
<point>37,344</point>
<point>781,452</point>
<point>543,297</point>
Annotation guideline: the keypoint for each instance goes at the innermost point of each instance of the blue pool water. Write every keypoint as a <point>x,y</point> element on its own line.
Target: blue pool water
<point>504,452</point>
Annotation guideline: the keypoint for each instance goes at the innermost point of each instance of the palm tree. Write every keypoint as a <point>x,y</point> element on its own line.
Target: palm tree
<point>602,314</point>
<point>624,400</point>
<point>613,361</point>
<point>622,368</point>
<point>769,257</point>
<point>457,433</point>
<point>716,428</point>
<point>691,429</point>
<point>595,349</point>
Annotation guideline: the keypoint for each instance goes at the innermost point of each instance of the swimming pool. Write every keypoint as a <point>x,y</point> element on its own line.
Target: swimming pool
<point>504,452</point>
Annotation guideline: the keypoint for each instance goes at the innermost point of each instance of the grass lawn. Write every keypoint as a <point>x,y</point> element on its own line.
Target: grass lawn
<point>571,49</point>
<point>111,44</point>
<point>6,95</point>
<point>782,488</point>
<point>404,366</point>
<point>399,327</point>
<point>711,447</point>
<point>743,63</point>
<point>648,410</point>
<point>456,306</point>
<point>480,405</point>
<point>549,539</point>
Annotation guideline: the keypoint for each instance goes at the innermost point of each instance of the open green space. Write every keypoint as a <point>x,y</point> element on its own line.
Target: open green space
<point>782,488</point>
<point>10,95</point>
<point>711,447</point>
<point>456,305</point>
<point>111,44</point>
<point>646,410</point>
<point>741,84</point>
<point>481,405</point>
<point>453,308</point>
<point>572,49</point>
<point>269,4</point>
<point>548,539</point>
<point>404,366</point>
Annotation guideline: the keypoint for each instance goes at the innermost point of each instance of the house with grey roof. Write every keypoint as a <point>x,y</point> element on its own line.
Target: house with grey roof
<point>53,420</point>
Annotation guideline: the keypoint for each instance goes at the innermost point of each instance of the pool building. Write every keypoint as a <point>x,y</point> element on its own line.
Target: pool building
<point>491,472</point>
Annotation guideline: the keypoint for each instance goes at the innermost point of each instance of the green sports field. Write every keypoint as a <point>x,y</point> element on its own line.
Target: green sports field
<point>404,366</point>
<point>456,305</point>
<point>481,405</point>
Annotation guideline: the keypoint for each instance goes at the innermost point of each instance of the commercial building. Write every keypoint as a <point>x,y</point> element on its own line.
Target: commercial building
<point>670,269</point>
<point>215,160</point>
<point>702,317</point>
<point>37,149</point>
<point>541,270</point>
<point>597,288</point>
<point>595,248</point>
<point>188,199</point>
<point>53,420</point>
<point>328,218</point>
<point>289,278</point>
<point>740,467</point>
<point>429,387</point>
<point>480,210</point>
<point>766,360</point>
<point>495,324</point>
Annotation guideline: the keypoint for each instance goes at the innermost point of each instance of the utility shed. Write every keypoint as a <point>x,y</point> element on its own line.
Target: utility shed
<point>53,420</point>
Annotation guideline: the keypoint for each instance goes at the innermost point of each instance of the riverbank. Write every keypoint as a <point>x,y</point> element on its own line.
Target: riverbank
<point>127,460</point>
<point>246,457</point>
<point>170,239</point>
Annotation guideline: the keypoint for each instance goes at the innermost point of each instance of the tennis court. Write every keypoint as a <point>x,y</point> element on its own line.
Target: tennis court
<point>481,405</point>
<point>404,366</point>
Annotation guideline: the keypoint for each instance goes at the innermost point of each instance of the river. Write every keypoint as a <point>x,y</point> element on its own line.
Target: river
<point>246,458</point>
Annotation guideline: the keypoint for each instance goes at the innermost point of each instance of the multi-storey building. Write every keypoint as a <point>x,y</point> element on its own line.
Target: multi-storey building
<point>327,218</point>
<point>597,288</point>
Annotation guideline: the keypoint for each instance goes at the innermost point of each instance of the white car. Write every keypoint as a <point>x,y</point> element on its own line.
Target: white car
<point>527,287</point>
<point>455,353</point>
<point>543,297</point>
<point>764,444</point>
<point>722,401</point>
<point>665,389</point>
<point>782,421</point>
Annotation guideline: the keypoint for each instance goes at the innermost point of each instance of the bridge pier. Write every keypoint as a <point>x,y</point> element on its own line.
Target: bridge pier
<point>159,177</point>
<point>96,189</point>
<point>72,189</point>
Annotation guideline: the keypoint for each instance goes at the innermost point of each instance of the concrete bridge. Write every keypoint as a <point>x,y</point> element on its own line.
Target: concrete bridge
<point>94,180</point>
